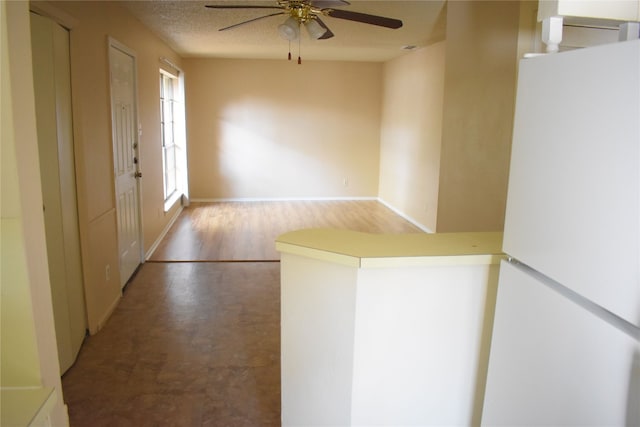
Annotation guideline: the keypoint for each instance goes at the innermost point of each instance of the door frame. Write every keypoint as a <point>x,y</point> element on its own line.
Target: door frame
<point>112,43</point>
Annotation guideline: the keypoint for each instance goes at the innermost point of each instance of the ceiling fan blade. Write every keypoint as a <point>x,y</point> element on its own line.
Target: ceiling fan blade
<point>326,35</point>
<point>321,4</point>
<point>250,20</point>
<point>237,6</point>
<point>380,21</point>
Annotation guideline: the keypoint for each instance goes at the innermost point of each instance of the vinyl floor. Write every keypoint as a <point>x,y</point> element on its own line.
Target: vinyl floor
<point>190,344</point>
<point>197,343</point>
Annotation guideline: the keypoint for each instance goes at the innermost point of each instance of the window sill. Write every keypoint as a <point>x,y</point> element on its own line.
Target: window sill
<point>171,201</point>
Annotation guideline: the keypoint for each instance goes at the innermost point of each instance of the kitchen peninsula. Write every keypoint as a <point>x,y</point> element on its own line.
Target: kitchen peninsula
<point>385,329</point>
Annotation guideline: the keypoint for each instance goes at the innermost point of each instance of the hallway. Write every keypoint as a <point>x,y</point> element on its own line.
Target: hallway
<point>198,343</point>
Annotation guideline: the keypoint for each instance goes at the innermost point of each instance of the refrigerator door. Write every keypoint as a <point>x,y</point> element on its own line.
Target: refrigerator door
<point>554,363</point>
<point>574,187</point>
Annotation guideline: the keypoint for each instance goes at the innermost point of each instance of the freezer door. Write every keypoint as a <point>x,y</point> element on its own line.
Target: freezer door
<point>553,363</point>
<point>574,187</point>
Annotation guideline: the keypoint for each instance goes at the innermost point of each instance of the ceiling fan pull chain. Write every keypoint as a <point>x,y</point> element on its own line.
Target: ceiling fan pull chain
<point>289,50</point>
<point>299,58</point>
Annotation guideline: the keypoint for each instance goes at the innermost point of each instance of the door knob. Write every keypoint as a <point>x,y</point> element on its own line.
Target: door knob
<point>138,174</point>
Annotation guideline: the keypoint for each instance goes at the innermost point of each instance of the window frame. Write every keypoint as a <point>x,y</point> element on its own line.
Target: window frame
<point>168,125</point>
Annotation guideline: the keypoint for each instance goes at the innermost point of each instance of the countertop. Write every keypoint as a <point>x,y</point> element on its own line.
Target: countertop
<point>363,250</point>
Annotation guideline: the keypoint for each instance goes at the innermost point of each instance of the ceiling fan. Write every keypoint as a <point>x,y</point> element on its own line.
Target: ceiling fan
<point>307,13</point>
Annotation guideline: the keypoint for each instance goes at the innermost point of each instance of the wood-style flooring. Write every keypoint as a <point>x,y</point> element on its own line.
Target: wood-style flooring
<point>198,343</point>
<point>246,231</point>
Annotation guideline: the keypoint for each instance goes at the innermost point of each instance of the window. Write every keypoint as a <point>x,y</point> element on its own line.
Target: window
<point>173,136</point>
<point>169,115</point>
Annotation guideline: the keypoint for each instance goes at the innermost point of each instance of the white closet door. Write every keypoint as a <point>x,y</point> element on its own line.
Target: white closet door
<point>50,48</point>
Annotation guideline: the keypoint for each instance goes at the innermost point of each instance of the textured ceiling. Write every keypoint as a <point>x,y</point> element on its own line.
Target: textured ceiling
<point>192,30</point>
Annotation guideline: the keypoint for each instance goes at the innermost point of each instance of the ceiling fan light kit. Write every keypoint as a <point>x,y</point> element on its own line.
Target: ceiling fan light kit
<point>289,29</point>
<point>315,30</point>
<point>306,12</point>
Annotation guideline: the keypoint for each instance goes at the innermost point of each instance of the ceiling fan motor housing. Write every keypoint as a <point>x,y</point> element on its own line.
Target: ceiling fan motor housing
<point>301,10</point>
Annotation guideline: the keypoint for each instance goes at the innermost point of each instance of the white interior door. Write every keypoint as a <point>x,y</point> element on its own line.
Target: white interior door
<point>125,147</point>
<point>52,83</point>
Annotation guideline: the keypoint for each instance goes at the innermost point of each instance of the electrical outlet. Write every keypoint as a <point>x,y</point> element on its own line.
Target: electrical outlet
<point>107,272</point>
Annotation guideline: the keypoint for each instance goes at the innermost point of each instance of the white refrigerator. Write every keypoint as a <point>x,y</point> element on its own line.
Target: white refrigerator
<point>565,349</point>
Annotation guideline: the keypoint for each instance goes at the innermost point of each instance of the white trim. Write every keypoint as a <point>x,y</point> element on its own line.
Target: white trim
<point>166,61</point>
<point>171,201</point>
<point>103,320</point>
<point>405,216</point>
<point>180,140</point>
<point>169,74</point>
<point>118,45</point>
<point>162,235</point>
<point>279,199</point>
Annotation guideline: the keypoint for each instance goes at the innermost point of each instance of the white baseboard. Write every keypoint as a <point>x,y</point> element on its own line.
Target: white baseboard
<point>166,229</point>
<point>405,216</point>
<point>103,321</point>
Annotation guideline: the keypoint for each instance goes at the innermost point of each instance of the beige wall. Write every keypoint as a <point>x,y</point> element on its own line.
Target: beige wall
<point>274,129</point>
<point>411,131</point>
<point>91,24</point>
<point>478,114</point>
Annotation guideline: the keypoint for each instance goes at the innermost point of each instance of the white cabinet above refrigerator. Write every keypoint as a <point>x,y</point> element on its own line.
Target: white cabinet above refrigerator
<point>590,11</point>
